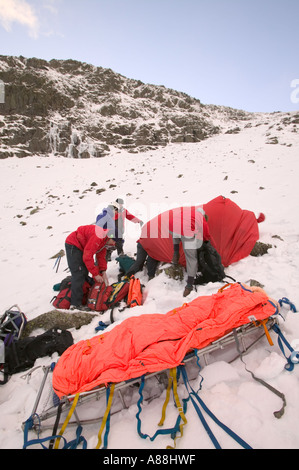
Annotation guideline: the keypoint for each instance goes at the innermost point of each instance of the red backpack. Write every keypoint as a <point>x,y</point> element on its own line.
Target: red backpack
<point>98,297</point>
<point>63,298</point>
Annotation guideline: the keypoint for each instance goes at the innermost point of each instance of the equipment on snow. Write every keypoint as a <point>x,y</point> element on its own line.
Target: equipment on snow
<point>63,299</point>
<point>135,292</point>
<point>209,265</point>
<point>98,297</point>
<point>21,355</point>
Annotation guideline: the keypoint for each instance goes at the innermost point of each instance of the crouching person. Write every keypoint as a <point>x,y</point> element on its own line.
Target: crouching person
<point>81,247</point>
<point>141,258</point>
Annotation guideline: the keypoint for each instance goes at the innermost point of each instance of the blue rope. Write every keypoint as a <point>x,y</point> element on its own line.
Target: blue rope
<point>193,395</point>
<point>294,357</point>
<point>284,300</point>
<point>172,431</point>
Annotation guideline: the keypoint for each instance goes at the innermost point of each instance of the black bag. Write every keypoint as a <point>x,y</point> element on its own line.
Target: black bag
<point>209,265</point>
<point>21,355</point>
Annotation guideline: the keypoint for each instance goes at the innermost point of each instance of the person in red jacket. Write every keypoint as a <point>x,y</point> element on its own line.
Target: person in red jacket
<point>81,246</point>
<point>120,215</point>
<point>188,225</point>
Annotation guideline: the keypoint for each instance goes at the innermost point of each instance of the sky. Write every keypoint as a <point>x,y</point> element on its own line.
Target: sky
<point>238,53</point>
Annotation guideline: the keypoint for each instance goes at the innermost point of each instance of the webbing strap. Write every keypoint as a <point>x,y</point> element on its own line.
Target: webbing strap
<point>263,322</point>
<point>67,420</point>
<point>278,414</point>
<point>194,396</point>
<point>173,373</point>
<point>169,386</point>
<point>294,357</point>
<point>182,410</point>
<point>39,441</point>
<point>284,300</point>
<point>106,418</point>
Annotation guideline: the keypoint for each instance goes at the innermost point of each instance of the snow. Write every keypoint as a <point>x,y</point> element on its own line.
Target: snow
<point>256,175</point>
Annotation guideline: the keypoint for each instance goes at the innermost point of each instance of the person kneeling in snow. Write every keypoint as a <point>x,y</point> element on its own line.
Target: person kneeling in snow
<point>81,246</point>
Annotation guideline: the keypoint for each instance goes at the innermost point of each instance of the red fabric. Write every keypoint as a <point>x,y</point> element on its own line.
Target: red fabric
<point>157,240</point>
<point>91,239</point>
<point>124,214</point>
<point>234,231</point>
<point>261,218</point>
<point>154,342</point>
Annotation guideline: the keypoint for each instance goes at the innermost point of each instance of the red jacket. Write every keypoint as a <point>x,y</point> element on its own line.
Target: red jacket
<point>91,239</point>
<point>120,217</point>
<point>157,240</point>
<point>188,222</point>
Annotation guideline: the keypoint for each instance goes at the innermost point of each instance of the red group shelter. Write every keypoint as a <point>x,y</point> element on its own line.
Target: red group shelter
<point>233,231</point>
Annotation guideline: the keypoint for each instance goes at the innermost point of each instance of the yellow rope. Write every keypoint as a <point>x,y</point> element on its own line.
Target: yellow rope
<point>105,416</point>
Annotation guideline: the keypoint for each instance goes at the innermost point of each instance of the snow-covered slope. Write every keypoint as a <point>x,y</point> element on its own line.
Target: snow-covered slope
<point>45,198</point>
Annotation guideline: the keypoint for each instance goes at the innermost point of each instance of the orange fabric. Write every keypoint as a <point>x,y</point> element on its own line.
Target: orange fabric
<point>135,292</point>
<point>153,342</point>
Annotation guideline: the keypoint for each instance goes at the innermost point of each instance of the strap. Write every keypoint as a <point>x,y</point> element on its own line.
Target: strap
<point>193,395</point>
<point>294,357</point>
<point>27,443</point>
<point>106,418</point>
<point>278,414</point>
<point>74,444</point>
<point>67,420</point>
<point>263,322</point>
<point>182,410</point>
<point>173,373</point>
<point>54,432</point>
<point>284,300</point>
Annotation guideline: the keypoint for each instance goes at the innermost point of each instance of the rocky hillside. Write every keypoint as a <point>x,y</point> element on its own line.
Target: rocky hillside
<point>73,109</point>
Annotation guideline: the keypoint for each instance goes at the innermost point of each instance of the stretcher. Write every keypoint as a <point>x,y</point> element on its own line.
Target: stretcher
<point>228,348</point>
<point>90,407</point>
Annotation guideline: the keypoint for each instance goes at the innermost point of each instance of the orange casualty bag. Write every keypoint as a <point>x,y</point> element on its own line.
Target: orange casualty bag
<point>135,292</point>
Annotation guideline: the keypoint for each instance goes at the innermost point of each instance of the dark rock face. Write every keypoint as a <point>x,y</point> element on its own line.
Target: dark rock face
<point>72,109</point>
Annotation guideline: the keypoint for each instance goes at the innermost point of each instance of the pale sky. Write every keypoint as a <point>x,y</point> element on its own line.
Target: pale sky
<point>238,53</point>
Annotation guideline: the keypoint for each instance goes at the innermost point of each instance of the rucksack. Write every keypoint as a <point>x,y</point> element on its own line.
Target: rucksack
<point>63,299</point>
<point>98,297</point>
<point>135,292</point>
<point>119,292</point>
<point>209,265</point>
<point>12,324</point>
<point>21,355</point>
<point>125,262</point>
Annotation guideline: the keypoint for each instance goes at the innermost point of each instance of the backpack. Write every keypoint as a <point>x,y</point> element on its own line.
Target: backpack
<point>125,262</point>
<point>12,324</point>
<point>63,299</point>
<point>119,292</point>
<point>21,355</point>
<point>98,297</point>
<point>135,292</point>
<point>209,265</point>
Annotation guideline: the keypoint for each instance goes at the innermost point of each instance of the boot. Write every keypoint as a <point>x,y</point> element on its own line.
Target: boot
<point>188,289</point>
<point>82,308</point>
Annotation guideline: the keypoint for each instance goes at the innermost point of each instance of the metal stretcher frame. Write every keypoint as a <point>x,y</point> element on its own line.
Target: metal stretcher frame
<point>259,330</point>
